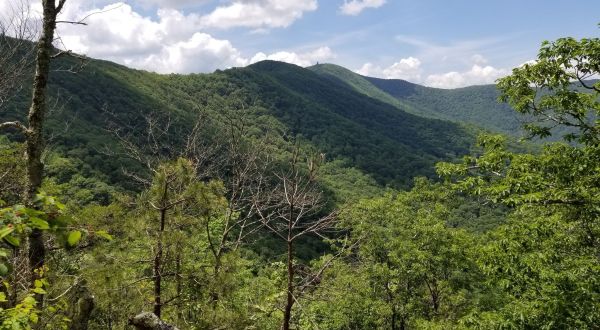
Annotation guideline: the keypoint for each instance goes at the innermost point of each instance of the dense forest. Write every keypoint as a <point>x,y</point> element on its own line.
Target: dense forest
<point>280,197</point>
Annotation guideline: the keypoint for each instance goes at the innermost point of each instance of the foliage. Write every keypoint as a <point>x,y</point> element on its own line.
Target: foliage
<point>545,259</point>
<point>544,89</point>
<point>409,268</point>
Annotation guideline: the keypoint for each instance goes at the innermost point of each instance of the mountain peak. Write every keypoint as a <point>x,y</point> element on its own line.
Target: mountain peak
<point>271,65</point>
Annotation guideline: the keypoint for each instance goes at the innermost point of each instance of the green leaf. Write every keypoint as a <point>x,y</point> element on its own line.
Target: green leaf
<point>74,238</point>
<point>3,269</point>
<point>39,291</point>
<point>12,240</point>
<point>39,223</point>
<point>6,231</point>
<point>104,235</point>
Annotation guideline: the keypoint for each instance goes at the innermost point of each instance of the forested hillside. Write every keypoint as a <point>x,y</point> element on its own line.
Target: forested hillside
<point>381,140</point>
<point>476,105</point>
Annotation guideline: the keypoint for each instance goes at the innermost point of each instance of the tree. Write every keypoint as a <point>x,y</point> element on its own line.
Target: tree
<point>16,49</point>
<point>545,258</point>
<point>418,269</point>
<point>178,197</point>
<point>558,89</point>
<point>293,209</point>
<point>34,131</point>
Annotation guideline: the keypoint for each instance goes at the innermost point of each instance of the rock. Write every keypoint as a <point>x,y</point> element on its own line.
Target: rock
<point>149,321</point>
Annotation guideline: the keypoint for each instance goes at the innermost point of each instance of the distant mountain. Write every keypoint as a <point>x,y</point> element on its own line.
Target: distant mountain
<point>477,105</point>
<point>374,132</point>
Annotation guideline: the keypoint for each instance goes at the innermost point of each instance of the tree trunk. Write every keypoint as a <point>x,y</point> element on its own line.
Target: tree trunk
<point>435,297</point>
<point>158,265</point>
<point>81,309</point>
<point>287,315</point>
<point>178,284</point>
<point>35,142</point>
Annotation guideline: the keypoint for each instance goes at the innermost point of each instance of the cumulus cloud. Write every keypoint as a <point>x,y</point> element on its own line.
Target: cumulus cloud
<point>477,75</point>
<point>302,59</point>
<point>172,3</point>
<point>171,42</point>
<point>479,59</point>
<point>355,7</point>
<point>258,13</point>
<point>123,35</point>
<point>411,69</point>
<point>407,69</point>
<point>201,53</point>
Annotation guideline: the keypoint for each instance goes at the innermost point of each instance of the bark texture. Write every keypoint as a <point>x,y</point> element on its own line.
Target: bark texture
<point>81,309</point>
<point>35,142</point>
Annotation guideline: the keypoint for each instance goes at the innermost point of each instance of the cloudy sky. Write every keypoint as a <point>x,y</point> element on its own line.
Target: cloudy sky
<point>438,43</point>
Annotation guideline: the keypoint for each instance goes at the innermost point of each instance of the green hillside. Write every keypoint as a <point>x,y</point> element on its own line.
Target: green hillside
<point>475,105</point>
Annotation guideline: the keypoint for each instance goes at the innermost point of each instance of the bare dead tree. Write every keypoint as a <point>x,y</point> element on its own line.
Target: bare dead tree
<point>17,30</point>
<point>153,138</point>
<point>243,168</point>
<point>291,210</point>
<point>232,157</point>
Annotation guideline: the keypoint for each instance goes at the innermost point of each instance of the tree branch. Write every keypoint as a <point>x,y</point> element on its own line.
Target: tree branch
<point>71,22</point>
<point>15,124</point>
<point>60,6</point>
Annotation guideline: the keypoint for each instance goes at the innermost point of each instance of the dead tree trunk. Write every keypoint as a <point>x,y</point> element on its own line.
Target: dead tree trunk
<point>293,209</point>
<point>287,315</point>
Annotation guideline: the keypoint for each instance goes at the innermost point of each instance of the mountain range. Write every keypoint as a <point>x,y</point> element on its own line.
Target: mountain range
<point>373,132</point>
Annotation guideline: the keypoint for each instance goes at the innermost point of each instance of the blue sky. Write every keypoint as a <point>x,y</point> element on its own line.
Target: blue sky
<point>449,43</point>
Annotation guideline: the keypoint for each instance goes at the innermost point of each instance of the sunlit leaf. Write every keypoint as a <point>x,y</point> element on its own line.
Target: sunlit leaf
<point>74,238</point>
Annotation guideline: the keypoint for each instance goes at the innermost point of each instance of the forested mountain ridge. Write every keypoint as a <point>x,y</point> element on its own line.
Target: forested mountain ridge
<point>476,105</point>
<point>379,139</point>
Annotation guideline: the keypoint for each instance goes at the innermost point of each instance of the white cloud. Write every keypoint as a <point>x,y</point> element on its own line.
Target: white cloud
<point>172,3</point>
<point>258,13</point>
<point>170,42</point>
<point>458,53</point>
<point>477,75</point>
<point>407,69</point>
<point>201,53</point>
<point>355,7</point>
<point>20,18</point>
<point>302,59</point>
<point>479,59</point>
<point>411,69</point>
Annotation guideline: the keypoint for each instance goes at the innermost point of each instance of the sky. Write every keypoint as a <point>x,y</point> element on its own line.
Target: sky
<point>438,43</point>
